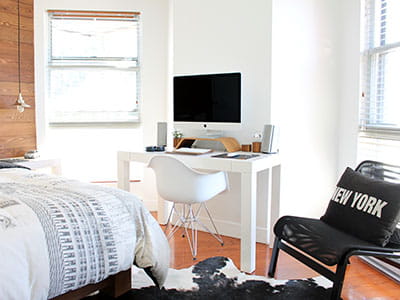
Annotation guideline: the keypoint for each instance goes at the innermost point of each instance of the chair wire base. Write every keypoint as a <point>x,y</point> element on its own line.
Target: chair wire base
<point>188,221</point>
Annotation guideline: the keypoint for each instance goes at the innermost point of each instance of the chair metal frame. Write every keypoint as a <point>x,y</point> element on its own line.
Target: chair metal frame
<point>337,277</point>
<point>187,220</point>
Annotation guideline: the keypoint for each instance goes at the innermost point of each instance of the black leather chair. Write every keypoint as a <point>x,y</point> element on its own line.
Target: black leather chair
<point>325,245</point>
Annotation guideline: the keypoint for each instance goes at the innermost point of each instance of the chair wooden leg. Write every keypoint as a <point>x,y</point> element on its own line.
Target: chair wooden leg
<point>338,282</point>
<point>274,258</point>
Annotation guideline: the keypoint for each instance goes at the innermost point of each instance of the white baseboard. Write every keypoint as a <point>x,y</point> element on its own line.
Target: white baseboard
<point>232,229</point>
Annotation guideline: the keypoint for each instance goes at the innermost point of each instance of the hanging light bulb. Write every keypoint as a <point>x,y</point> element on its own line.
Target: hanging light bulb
<point>20,103</point>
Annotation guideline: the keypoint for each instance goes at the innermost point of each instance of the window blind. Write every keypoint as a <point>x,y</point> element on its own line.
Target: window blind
<point>380,101</point>
<point>93,66</point>
<point>93,35</point>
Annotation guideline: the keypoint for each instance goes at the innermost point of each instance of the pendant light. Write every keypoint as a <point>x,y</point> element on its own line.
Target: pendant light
<point>20,103</point>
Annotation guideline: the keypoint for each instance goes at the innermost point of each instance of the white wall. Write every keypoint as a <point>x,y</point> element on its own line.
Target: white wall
<point>308,91</point>
<point>350,93</point>
<point>229,36</point>
<point>89,153</point>
<point>306,78</point>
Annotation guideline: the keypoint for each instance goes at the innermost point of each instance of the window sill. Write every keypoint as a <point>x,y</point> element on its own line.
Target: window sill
<point>95,124</point>
<point>382,134</point>
<point>68,119</point>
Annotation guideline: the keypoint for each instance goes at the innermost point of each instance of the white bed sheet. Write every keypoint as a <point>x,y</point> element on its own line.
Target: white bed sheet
<point>58,235</point>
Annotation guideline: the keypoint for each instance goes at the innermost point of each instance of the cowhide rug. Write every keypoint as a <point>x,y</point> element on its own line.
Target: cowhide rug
<point>219,278</point>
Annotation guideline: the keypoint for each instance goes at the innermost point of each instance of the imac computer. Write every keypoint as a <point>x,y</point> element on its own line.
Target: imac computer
<point>207,101</point>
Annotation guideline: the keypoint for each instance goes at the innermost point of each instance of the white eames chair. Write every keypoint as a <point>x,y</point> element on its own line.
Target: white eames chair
<point>180,184</point>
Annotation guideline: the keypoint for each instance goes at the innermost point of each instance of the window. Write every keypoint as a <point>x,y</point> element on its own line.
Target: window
<point>93,67</point>
<point>380,106</point>
<point>379,137</point>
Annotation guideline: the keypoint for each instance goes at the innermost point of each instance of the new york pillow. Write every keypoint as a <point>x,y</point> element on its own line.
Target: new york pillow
<point>364,207</point>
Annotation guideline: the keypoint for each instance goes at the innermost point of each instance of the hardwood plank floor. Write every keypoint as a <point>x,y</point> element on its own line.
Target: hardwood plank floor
<point>361,282</point>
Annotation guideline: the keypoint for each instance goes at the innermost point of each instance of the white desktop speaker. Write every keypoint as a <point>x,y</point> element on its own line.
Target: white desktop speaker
<point>162,134</point>
<point>270,140</point>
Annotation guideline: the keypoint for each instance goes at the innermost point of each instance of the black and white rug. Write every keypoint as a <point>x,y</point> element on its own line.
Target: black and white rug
<point>219,278</point>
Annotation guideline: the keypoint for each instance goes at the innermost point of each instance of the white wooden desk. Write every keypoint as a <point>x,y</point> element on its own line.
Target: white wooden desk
<point>248,170</point>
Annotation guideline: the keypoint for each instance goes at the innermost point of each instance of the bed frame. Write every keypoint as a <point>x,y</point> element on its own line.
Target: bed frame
<point>114,286</point>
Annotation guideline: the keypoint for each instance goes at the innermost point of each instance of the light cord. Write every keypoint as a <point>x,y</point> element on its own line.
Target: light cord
<point>19,50</point>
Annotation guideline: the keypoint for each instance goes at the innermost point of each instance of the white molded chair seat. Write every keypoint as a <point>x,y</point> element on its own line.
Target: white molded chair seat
<point>178,183</point>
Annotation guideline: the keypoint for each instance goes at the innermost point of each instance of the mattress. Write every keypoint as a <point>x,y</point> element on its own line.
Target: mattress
<point>57,235</point>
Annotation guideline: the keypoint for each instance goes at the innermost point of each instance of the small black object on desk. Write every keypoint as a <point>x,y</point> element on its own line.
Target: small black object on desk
<point>155,148</point>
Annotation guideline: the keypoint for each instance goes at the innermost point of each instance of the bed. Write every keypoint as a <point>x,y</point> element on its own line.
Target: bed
<point>62,238</point>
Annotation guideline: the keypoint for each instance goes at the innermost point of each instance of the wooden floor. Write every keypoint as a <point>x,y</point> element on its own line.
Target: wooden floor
<point>361,282</point>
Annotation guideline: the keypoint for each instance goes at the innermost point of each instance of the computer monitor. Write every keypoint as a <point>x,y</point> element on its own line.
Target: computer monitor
<point>208,101</point>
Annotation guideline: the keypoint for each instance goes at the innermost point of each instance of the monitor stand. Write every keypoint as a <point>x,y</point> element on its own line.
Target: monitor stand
<point>228,144</point>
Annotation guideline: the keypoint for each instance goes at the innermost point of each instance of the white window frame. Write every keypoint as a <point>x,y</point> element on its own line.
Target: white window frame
<point>371,121</point>
<point>93,63</point>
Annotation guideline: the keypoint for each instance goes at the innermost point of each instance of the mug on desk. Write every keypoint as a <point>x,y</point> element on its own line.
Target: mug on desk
<point>246,147</point>
<point>256,146</point>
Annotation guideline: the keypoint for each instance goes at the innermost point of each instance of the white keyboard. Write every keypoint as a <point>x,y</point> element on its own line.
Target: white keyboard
<point>193,150</point>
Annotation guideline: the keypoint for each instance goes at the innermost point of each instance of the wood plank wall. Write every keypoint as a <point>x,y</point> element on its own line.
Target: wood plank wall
<point>17,130</point>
